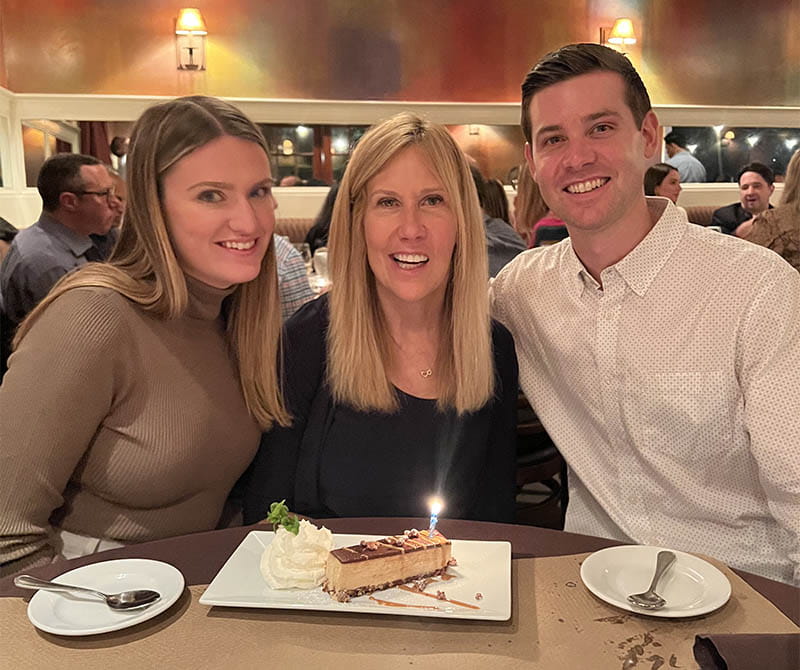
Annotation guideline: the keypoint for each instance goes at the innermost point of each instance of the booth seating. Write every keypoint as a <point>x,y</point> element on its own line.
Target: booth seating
<point>541,473</point>
<point>701,214</point>
<point>295,229</point>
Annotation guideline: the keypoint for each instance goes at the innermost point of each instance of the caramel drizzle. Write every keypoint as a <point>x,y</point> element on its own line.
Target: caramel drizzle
<point>431,595</point>
<point>388,603</point>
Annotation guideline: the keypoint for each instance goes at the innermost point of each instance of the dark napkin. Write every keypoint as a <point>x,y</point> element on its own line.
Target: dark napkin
<point>744,652</point>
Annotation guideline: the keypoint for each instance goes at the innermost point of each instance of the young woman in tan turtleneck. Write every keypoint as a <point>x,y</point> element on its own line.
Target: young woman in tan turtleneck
<point>138,389</point>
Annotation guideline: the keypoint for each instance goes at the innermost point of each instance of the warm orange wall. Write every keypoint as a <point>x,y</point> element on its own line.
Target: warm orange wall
<point>3,73</point>
<point>496,149</point>
<point>700,52</point>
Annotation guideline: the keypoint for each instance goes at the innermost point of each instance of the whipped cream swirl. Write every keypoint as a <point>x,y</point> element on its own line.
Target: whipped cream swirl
<point>297,561</point>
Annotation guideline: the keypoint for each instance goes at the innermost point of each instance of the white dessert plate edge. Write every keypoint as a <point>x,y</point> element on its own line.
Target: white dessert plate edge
<point>692,586</point>
<point>483,567</point>
<point>61,614</point>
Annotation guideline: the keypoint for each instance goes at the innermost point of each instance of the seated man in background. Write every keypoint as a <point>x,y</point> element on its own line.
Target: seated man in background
<point>502,241</point>
<point>688,167</point>
<point>756,184</point>
<point>105,243</point>
<point>661,357</point>
<point>779,228</point>
<point>293,286</point>
<point>78,201</point>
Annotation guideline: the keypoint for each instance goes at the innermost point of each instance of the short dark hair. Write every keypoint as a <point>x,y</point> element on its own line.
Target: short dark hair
<point>574,60</point>
<point>676,138</point>
<point>61,173</point>
<point>655,175</point>
<point>760,169</point>
<point>118,146</point>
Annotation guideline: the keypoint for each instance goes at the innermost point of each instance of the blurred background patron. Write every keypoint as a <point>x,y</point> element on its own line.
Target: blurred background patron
<point>689,168</point>
<point>779,228</point>
<point>756,184</point>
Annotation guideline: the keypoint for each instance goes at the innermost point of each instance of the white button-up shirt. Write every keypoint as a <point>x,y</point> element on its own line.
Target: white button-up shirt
<point>672,390</point>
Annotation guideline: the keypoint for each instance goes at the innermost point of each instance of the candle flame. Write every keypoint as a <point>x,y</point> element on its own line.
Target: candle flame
<point>436,506</point>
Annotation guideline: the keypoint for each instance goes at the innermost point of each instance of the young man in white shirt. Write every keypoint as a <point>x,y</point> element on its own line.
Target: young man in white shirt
<point>662,358</point>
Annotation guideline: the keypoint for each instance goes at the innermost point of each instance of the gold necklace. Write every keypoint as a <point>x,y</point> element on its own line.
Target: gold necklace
<point>425,373</point>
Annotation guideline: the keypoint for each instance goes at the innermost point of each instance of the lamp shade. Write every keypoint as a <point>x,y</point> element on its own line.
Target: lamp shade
<point>190,22</point>
<point>622,32</point>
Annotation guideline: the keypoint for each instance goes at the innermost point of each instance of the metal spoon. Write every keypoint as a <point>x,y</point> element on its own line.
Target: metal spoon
<point>650,600</point>
<point>125,600</point>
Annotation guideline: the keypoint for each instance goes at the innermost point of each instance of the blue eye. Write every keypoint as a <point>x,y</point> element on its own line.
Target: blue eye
<point>210,196</point>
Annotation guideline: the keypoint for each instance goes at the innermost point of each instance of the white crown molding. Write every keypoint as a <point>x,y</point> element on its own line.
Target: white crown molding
<point>364,112</point>
<point>344,112</point>
<point>703,115</point>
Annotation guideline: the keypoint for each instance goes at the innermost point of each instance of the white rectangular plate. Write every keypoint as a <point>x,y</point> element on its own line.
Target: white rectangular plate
<point>483,567</point>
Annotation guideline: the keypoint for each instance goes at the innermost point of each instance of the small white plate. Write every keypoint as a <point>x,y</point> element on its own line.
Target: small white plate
<point>483,567</point>
<point>691,586</point>
<point>64,614</point>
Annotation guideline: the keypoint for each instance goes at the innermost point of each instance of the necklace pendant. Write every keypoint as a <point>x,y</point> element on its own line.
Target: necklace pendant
<point>426,373</point>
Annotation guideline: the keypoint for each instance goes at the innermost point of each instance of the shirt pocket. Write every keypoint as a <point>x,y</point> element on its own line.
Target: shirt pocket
<point>687,414</point>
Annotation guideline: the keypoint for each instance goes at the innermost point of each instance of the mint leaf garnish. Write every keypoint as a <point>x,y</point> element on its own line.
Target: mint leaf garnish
<point>279,516</point>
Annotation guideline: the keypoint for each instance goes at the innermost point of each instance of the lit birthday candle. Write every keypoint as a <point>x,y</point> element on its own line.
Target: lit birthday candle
<point>436,507</point>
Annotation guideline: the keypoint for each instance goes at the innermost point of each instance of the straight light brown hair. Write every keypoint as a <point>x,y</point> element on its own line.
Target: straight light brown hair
<point>358,340</point>
<point>791,187</point>
<point>529,205</point>
<point>496,205</point>
<point>144,269</point>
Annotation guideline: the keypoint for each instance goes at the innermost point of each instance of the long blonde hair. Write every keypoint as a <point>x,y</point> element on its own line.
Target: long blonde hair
<point>358,340</point>
<point>791,188</point>
<point>144,269</point>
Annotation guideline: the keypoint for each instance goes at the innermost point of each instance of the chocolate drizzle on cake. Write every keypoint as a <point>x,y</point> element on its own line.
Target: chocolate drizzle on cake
<point>376,565</point>
<point>389,546</point>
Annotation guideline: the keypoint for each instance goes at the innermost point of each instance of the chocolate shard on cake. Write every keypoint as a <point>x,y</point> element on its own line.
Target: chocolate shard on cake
<point>380,564</point>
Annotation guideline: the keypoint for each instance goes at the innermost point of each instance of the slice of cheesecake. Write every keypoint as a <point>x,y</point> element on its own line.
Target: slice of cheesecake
<point>397,559</point>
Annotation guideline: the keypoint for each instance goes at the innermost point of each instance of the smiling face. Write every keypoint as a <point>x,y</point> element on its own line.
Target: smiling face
<point>410,231</point>
<point>754,192</point>
<point>670,187</point>
<point>220,211</point>
<point>587,153</point>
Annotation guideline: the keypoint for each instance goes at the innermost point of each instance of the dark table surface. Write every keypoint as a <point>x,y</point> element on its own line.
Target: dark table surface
<point>200,556</point>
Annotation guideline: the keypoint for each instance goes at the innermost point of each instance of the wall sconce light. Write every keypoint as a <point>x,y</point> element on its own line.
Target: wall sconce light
<point>190,39</point>
<point>620,34</point>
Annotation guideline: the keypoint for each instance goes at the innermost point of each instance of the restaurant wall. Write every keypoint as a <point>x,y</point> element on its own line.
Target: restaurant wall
<point>3,73</point>
<point>692,52</point>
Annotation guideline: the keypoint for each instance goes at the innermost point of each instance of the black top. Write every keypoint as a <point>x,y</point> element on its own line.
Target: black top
<point>730,217</point>
<point>335,461</point>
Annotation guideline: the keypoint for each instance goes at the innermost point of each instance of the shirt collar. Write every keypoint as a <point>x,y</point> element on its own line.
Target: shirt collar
<point>76,243</point>
<point>643,263</point>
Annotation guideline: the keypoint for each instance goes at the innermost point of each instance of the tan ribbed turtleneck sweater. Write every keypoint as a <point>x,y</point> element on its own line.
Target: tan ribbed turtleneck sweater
<point>119,425</point>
